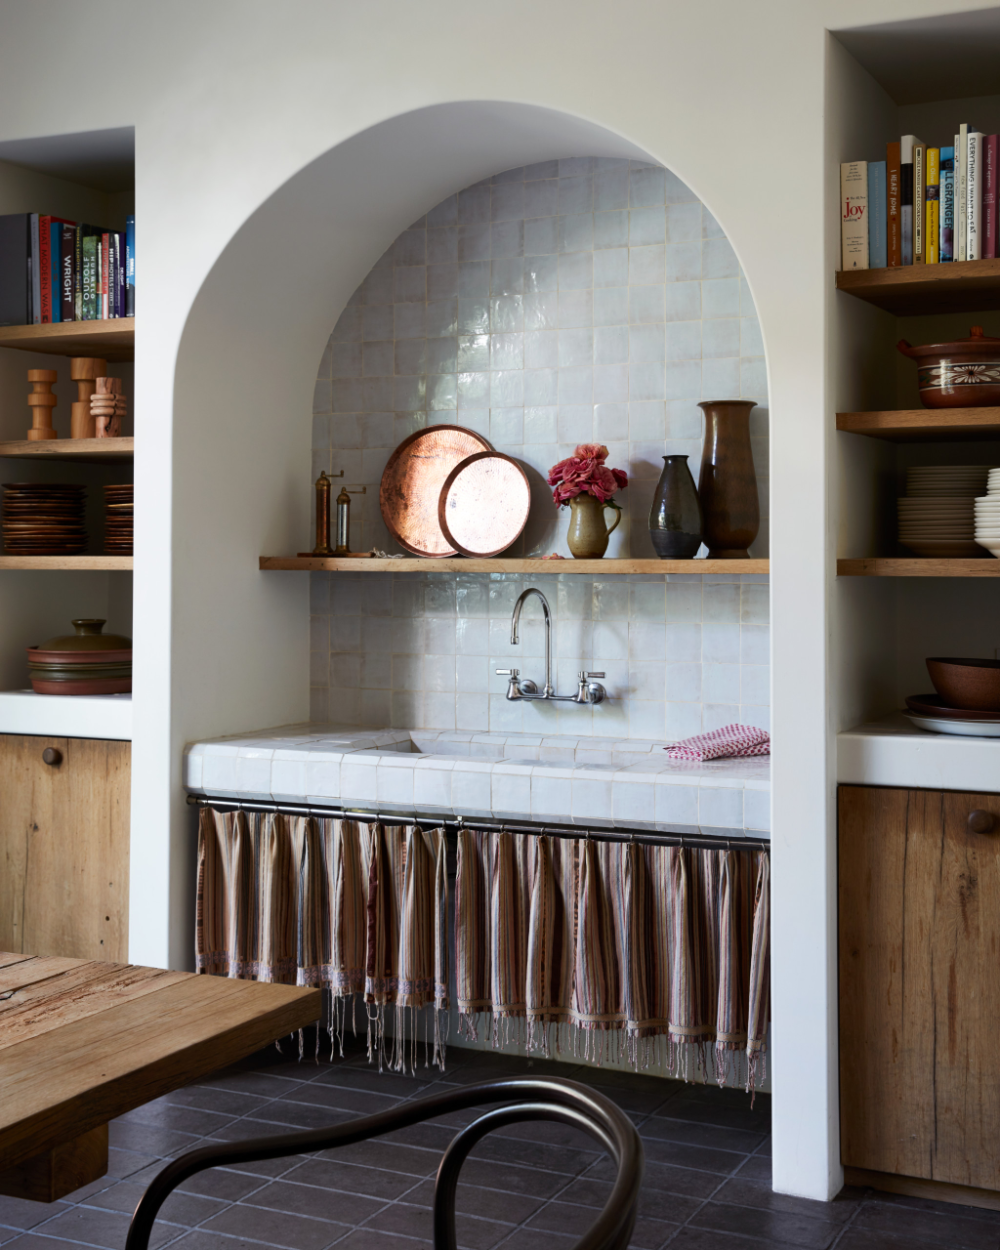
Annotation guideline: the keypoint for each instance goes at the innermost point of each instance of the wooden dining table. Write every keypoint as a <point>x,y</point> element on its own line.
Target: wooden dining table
<point>82,1042</point>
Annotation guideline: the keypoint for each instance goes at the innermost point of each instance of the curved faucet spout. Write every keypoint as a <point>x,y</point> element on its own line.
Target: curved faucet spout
<point>515,621</point>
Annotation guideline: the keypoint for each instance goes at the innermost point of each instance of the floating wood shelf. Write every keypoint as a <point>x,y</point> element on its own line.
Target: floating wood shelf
<point>91,450</point>
<point>911,566</point>
<point>923,425</point>
<point>909,290</point>
<point>114,340</point>
<point>79,563</point>
<point>361,564</point>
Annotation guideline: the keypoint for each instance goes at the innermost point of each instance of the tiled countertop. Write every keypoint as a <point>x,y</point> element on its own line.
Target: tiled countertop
<point>584,781</point>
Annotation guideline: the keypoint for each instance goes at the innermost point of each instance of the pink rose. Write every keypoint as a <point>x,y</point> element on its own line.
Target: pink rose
<point>591,451</point>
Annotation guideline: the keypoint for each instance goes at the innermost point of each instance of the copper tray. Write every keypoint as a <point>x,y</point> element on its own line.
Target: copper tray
<point>412,481</point>
<point>484,504</point>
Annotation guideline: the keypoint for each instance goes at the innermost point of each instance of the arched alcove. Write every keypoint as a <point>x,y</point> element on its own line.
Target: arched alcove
<point>242,416</point>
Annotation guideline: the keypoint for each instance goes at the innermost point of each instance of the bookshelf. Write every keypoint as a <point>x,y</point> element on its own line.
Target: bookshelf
<point>94,563</point>
<point>71,450</point>
<point>114,340</point>
<point>497,564</point>
<point>923,425</point>
<point>916,290</point>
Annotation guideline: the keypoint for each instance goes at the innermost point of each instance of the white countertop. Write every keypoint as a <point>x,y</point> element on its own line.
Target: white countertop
<point>894,752</point>
<point>66,716</point>
<point>585,781</point>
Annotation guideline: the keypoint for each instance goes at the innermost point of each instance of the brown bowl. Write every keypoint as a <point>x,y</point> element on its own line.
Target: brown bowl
<point>962,374</point>
<point>972,684</point>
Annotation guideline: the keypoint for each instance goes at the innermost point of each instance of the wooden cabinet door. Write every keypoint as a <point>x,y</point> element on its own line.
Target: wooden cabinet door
<point>64,847</point>
<point>920,984</point>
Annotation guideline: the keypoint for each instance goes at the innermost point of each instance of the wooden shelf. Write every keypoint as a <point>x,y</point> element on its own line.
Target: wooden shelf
<point>91,450</point>
<point>362,564</point>
<point>79,563</point>
<point>923,425</point>
<point>909,290</point>
<point>912,566</point>
<point>114,340</point>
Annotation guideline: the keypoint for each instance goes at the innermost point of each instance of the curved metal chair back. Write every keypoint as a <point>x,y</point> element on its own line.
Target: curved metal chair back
<point>533,1098</point>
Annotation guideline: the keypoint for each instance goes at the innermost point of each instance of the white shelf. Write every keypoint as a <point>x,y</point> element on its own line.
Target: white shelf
<point>66,716</point>
<point>894,752</point>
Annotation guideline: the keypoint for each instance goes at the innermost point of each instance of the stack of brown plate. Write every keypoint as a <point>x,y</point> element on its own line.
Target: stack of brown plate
<point>43,519</point>
<point>118,520</point>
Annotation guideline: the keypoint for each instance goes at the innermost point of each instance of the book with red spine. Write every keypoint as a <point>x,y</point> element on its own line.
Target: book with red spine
<point>894,246</point>
<point>990,196</point>
<point>105,240</point>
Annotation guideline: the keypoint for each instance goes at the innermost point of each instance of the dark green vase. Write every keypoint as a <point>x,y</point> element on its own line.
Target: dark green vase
<point>675,523</point>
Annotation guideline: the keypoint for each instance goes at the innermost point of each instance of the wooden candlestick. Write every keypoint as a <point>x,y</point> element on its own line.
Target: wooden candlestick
<point>84,370</point>
<point>41,401</point>
<point>107,407</point>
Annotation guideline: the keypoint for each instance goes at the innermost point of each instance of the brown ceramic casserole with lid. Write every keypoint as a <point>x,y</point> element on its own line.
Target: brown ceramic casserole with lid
<point>86,662</point>
<point>962,374</point>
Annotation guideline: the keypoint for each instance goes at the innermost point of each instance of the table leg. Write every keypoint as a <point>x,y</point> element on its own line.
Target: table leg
<point>59,1171</point>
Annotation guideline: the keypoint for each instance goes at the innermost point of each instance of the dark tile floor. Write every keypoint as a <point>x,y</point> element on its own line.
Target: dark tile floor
<point>707,1182</point>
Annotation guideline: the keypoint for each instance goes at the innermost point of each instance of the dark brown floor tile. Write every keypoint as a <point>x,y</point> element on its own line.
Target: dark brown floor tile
<point>284,1115</point>
<point>266,1169</point>
<point>165,1115</point>
<point>705,1239</point>
<point>413,1221</point>
<point>100,1228</point>
<point>654,1204</point>
<point>20,1213</point>
<point>930,1204</point>
<point>722,1162</point>
<point>651,1234</point>
<point>490,1204</point>
<point>531,1239</point>
<point>224,1184</point>
<point>393,1083</point>
<point>748,1193</point>
<point>776,1227</point>
<point>565,1217</point>
<point>148,1140</point>
<point>701,1112</point>
<point>517,1180</point>
<point>535,1154</point>
<point>350,1178</point>
<point>198,1239</point>
<point>410,1160</point>
<point>179,1208</point>
<point>689,1133</point>
<point>870,1239</point>
<point>122,1163</point>
<point>356,1102</point>
<point>370,1239</point>
<point>435,1137</point>
<point>322,1204</point>
<point>757,1168</point>
<point>35,1241</point>
<point>662,1178</point>
<point>224,1101</point>
<point>277,1228</point>
<point>551,1133</point>
<point>930,1227</point>
<point>259,1084</point>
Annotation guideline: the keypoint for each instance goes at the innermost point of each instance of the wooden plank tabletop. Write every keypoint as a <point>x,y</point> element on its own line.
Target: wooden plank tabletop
<point>83,1042</point>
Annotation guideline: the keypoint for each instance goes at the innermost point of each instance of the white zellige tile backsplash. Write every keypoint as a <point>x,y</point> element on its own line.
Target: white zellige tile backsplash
<point>573,301</point>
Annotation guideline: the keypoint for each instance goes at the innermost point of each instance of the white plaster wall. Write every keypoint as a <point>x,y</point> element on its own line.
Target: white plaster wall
<point>230,100</point>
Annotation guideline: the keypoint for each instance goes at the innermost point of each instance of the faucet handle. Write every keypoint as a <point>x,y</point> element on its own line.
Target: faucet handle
<point>508,672</point>
<point>588,676</point>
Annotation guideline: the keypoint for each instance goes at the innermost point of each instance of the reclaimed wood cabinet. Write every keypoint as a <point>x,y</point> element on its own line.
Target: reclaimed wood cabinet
<point>64,846</point>
<point>919,943</point>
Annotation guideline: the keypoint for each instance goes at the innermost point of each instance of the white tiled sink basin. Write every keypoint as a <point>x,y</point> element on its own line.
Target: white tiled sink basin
<point>594,782</point>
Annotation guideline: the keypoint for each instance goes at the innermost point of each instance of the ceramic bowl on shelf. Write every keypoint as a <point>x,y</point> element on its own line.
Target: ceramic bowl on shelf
<point>964,373</point>
<point>967,684</point>
<point>86,662</point>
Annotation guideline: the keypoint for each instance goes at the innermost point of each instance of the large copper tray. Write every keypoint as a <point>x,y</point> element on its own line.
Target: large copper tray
<point>484,504</point>
<point>412,481</point>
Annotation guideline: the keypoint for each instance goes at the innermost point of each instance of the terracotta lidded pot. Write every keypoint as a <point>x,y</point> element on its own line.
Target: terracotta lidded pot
<point>85,662</point>
<point>588,533</point>
<point>675,521</point>
<point>727,486</point>
<point>962,374</point>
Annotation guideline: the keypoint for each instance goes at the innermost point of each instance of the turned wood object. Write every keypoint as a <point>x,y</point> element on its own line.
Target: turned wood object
<point>107,407</point>
<point>85,370</point>
<point>41,401</point>
<point>727,487</point>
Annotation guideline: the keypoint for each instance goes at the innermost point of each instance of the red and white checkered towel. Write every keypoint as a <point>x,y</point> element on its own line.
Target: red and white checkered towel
<point>731,740</point>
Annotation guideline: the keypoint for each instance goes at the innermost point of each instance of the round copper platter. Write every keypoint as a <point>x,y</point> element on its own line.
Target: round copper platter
<point>412,481</point>
<point>484,504</point>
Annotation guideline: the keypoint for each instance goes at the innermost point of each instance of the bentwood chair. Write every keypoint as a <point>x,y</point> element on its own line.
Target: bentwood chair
<point>534,1098</point>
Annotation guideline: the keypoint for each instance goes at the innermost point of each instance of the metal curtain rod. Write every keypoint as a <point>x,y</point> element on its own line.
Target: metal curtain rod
<point>612,834</point>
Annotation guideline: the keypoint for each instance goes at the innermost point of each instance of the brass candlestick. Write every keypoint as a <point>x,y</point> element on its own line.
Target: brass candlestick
<point>322,547</point>
<point>343,547</point>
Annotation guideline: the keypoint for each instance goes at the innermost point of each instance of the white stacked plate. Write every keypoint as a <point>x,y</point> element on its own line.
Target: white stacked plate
<point>937,515</point>
<point>988,515</point>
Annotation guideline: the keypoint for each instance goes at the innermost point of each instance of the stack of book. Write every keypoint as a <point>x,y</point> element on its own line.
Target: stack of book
<point>52,269</point>
<point>922,205</point>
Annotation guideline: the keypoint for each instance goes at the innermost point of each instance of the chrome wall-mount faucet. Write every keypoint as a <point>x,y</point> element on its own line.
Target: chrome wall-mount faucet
<point>588,690</point>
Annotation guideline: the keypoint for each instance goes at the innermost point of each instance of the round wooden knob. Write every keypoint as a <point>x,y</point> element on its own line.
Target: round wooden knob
<point>981,822</point>
<point>51,756</point>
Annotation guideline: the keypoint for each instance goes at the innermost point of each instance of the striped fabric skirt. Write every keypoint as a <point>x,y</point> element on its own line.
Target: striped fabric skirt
<point>654,955</point>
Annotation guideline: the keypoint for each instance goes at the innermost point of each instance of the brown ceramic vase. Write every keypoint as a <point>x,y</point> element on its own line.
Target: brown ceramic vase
<point>727,487</point>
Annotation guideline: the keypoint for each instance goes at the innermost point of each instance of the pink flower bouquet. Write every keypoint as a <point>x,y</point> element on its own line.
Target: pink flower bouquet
<point>586,473</point>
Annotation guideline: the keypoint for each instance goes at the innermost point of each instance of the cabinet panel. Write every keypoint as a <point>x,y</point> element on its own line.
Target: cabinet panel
<point>919,985</point>
<point>64,847</point>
